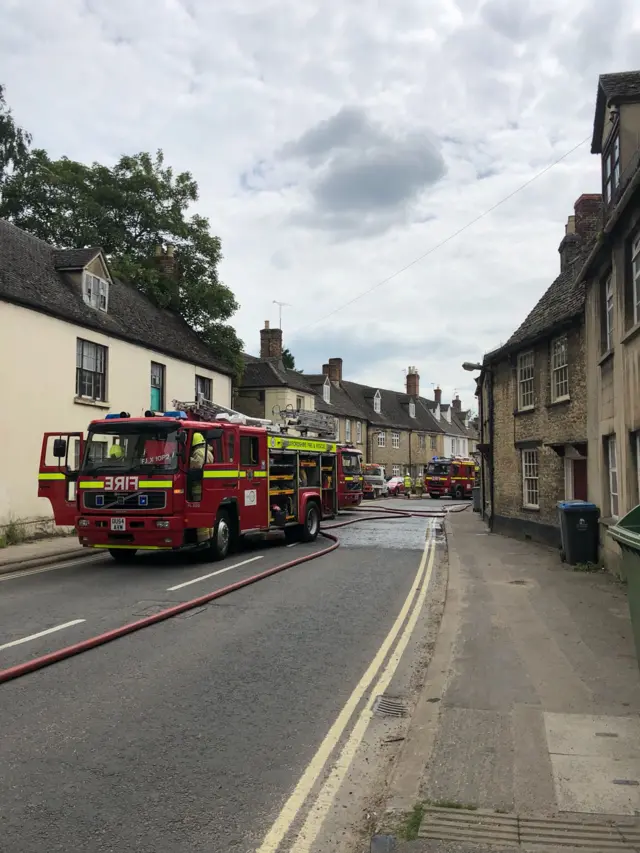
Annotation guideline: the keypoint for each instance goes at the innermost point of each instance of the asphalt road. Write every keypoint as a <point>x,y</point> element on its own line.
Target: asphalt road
<point>188,735</point>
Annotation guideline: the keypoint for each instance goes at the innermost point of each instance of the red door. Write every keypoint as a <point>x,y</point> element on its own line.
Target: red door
<point>254,482</point>
<point>60,460</point>
<point>580,479</point>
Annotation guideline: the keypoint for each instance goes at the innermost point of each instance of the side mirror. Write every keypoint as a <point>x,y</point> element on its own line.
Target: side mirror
<point>216,432</point>
<point>181,439</point>
<point>60,448</point>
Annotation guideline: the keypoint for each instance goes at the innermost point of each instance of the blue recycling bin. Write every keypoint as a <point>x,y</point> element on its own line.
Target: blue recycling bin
<point>579,531</point>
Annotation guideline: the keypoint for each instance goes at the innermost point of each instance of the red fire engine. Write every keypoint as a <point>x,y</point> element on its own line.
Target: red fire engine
<point>452,477</point>
<point>350,479</point>
<point>199,476</point>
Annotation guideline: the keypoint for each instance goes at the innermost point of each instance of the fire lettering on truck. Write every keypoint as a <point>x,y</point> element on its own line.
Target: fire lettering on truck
<point>121,484</point>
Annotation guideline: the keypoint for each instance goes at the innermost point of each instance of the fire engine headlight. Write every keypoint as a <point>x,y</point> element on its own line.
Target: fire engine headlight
<point>162,523</point>
<point>83,522</point>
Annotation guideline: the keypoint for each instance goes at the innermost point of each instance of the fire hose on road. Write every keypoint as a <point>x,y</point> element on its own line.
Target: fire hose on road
<point>109,636</point>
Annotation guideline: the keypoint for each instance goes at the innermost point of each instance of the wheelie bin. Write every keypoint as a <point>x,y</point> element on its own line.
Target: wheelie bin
<point>627,534</point>
<point>579,531</point>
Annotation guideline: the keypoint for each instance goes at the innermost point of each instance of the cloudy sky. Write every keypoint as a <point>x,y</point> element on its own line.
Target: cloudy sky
<point>336,142</point>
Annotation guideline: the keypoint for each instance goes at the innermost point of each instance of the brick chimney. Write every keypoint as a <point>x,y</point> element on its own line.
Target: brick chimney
<point>581,227</point>
<point>335,369</point>
<point>413,382</point>
<point>270,342</point>
<point>326,370</point>
<point>166,260</point>
<point>456,404</point>
<point>437,395</point>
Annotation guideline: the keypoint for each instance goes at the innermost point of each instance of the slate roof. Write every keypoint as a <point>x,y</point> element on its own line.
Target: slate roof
<point>341,404</point>
<point>271,373</point>
<point>28,277</point>
<point>614,88</point>
<point>563,300</point>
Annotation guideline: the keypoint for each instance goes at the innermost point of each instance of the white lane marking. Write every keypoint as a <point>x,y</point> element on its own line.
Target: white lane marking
<point>315,768</point>
<point>213,574</point>
<point>23,573</point>
<point>327,794</point>
<point>42,634</point>
<point>292,544</point>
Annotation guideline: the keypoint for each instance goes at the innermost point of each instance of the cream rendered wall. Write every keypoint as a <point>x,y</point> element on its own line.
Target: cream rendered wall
<point>280,398</point>
<point>37,385</point>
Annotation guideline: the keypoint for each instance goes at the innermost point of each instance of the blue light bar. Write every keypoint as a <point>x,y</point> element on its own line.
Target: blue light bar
<point>181,415</point>
<point>111,417</point>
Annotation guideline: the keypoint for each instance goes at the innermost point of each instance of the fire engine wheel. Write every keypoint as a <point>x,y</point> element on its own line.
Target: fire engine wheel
<point>220,543</point>
<point>434,496</point>
<point>458,493</point>
<point>123,555</point>
<point>311,527</point>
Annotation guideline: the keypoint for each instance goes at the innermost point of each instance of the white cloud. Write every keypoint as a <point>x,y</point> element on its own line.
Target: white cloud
<point>334,143</point>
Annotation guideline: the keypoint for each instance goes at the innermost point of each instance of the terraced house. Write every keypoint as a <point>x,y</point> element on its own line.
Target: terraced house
<point>533,400</point>
<point>611,275</point>
<point>76,344</point>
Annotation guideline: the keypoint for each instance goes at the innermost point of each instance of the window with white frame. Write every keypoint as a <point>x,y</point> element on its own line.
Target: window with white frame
<point>612,468</point>
<point>611,167</point>
<point>559,369</point>
<point>203,387</point>
<point>526,362</point>
<point>412,409</point>
<point>359,432</point>
<point>420,473</point>
<point>395,470</point>
<point>608,314</point>
<point>95,291</point>
<point>347,431</point>
<point>377,401</point>
<point>635,267</point>
<point>382,439</point>
<point>422,442</point>
<point>395,440</point>
<point>299,403</point>
<point>434,443</point>
<point>91,370</point>
<point>326,392</point>
<point>530,493</point>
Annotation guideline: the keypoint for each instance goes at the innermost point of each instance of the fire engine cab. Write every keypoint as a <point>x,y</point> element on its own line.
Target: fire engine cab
<point>199,476</point>
<point>450,477</point>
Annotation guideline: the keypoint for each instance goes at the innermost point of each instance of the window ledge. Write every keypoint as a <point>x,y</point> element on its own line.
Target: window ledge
<point>605,357</point>
<point>633,331</point>
<point>96,404</point>
<point>527,410</point>
<point>558,402</point>
<point>526,508</point>
<point>608,522</point>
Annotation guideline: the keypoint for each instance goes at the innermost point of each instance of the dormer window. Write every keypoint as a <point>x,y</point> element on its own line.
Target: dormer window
<point>326,391</point>
<point>412,409</point>
<point>611,166</point>
<point>95,291</point>
<point>377,402</point>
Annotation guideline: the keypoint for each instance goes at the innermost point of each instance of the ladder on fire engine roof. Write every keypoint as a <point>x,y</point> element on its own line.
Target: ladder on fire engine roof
<point>302,420</point>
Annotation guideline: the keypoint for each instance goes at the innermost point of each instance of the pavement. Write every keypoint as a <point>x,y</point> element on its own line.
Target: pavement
<point>192,734</point>
<point>40,552</point>
<point>527,732</point>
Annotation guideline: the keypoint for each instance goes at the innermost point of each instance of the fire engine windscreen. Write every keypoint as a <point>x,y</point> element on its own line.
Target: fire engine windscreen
<point>351,463</point>
<point>438,469</point>
<point>127,449</point>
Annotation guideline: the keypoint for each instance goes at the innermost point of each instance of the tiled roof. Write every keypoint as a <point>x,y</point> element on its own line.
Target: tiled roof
<point>340,405</point>
<point>271,373</point>
<point>614,88</point>
<point>394,408</point>
<point>28,277</point>
<point>562,301</point>
<point>74,259</point>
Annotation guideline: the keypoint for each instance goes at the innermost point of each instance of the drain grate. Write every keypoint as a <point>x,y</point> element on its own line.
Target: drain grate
<point>390,706</point>
<point>500,830</point>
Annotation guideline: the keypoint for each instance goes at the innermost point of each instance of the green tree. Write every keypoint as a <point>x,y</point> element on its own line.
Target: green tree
<point>130,210</point>
<point>14,142</point>
<point>289,361</point>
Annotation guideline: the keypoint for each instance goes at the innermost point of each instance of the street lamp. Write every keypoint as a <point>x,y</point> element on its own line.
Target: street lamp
<point>471,366</point>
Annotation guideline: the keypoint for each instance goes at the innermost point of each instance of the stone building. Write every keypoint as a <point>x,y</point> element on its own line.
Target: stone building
<point>533,402</point>
<point>612,277</point>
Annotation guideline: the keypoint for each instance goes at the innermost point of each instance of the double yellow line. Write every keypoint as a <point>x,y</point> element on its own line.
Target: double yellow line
<point>401,632</point>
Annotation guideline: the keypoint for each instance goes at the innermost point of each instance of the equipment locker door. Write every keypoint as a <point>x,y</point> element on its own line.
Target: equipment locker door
<point>254,483</point>
<point>60,459</point>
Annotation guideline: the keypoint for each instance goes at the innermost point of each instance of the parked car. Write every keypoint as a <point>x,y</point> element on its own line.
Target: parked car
<point>395,485</point>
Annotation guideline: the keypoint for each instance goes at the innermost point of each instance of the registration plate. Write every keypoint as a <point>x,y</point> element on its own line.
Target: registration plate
<point>118,524</point>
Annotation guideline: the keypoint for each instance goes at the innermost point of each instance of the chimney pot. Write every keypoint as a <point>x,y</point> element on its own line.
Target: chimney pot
<point>457,404</point>
<point>266,324</point>
<point>326,369</point>
<point>437,395</point>
<point>413,382</point>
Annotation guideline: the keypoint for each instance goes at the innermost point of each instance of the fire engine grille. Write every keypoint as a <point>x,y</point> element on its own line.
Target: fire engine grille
<point>354,486</point>
<point>155,499</point>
